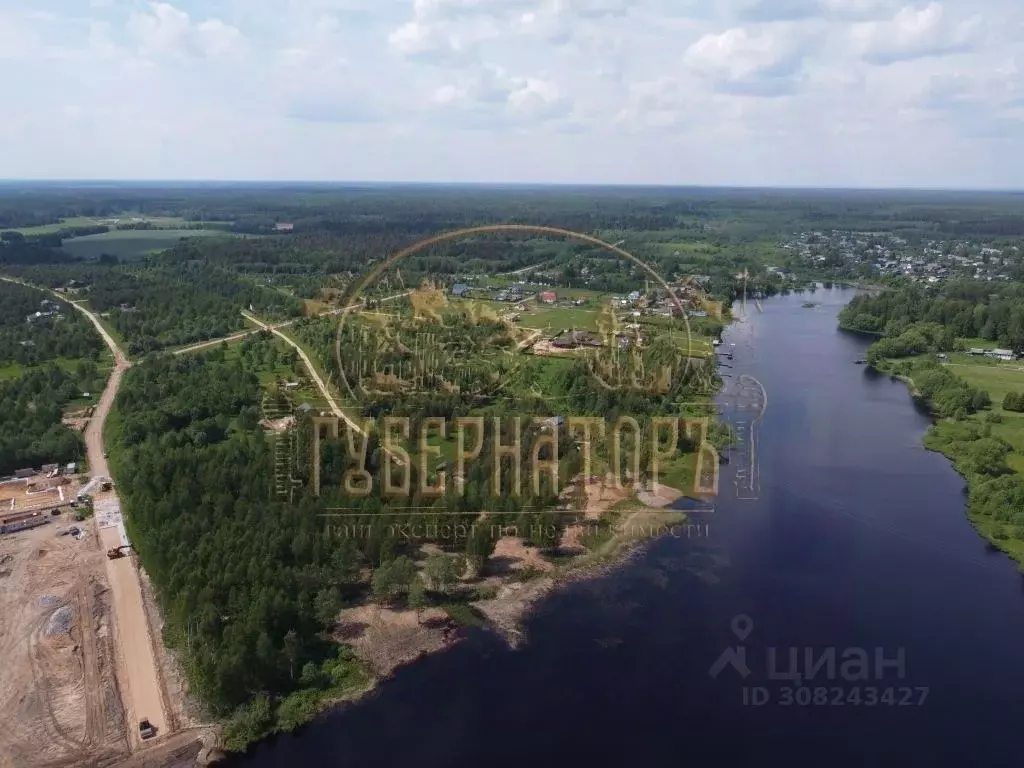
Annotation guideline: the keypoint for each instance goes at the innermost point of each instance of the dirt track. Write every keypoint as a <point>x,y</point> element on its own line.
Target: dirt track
<point>117,682</point>
<point>140,681</point>
<point>141,687</point>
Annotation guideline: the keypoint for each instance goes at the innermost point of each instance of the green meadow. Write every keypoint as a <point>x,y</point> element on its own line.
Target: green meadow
<point>130,244</point>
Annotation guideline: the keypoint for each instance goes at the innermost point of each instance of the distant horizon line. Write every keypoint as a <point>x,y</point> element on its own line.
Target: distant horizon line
<point>365,182</point>
<point>491,184</point>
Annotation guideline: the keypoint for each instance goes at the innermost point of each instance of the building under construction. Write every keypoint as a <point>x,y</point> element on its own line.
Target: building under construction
<point>23,521</point>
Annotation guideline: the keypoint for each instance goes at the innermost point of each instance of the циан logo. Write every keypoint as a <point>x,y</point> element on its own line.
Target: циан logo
<point>803,676</point>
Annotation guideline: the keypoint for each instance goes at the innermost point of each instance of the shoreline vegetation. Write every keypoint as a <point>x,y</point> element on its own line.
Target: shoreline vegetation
<point>377,639</point>
<point>973,402</point>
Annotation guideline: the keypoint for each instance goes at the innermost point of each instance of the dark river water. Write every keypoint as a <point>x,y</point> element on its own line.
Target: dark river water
<point>857,545</point>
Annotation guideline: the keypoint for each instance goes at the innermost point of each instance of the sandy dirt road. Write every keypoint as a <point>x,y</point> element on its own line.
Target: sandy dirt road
<point>315,374</point>
<point>263,327</point>
<point>141,689</point>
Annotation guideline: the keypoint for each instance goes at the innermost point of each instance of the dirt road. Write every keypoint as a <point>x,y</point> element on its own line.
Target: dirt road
<point>315,375</point>
<point>141,689</point>
<point>263,326</point>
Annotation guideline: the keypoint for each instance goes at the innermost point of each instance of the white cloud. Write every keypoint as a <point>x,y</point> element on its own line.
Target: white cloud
<point>492,97</point>
<point>168,31</point>
<point>915,33</point>
<point>762,62</point>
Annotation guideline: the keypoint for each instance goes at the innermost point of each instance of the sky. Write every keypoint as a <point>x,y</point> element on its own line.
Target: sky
<point>864,93</point>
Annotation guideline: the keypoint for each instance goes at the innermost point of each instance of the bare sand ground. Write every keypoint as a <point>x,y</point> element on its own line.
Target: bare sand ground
<point>183,711</point>
<point>278,425</point>
<point>513,601</point>
<point>59,700</point>
<point>512,554</point>
<point>386,638</point>
<point>545,347</point>
<point>601,495</point>
<point>140,681</point>
<point>659,496</point>
<point>508,607</point>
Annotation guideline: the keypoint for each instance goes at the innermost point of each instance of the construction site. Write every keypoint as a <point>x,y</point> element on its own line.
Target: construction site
<point>76,687</point>
<point>59,695</point>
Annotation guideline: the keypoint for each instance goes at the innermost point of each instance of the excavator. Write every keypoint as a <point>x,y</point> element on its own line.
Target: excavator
<point>117,552</point>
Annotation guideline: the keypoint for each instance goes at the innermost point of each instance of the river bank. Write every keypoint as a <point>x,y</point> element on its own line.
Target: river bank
<point>384,640</point>
<point>979,446</point>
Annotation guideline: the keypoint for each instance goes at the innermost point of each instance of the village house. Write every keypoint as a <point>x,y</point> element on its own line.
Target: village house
<point>574,339</point>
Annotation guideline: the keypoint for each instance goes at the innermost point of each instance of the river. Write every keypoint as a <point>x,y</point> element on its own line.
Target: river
<point>857,544</point>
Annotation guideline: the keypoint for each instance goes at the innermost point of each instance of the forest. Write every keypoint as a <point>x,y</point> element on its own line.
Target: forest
<point>33,399</point>
<point>251,581</point>
<point>418,210</point>
<point>31,406</point>
<point>29,342</point>
<point>968,309</point>
<point>162,304</point>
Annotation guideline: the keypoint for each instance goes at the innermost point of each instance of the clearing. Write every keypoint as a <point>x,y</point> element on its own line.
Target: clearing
<point>997,378</point>
<point>386,638</point>
<point>133,243</point>
<point>59,697</point>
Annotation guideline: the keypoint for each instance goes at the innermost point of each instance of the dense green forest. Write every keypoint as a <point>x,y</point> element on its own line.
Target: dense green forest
<point>28,339</point>
<point>161,304</point>
<point>31,433</point>
<point>31,406</point>
<point>251,582</point>
<point>15,249</point>
<point>424,209</point>
<point>967,309</point>
<point>308,263</point>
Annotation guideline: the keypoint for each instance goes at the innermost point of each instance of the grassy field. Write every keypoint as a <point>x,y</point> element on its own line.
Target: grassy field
<point>561,318</point>
<point>160,222</point>
<point>69,364</point>
<point>132,244</point>
<point>997,378</point>
<point>697,248</point>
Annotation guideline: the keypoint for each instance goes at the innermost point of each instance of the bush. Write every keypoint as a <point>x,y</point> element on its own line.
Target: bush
<point>994,418</point>
<point>1014,401</point>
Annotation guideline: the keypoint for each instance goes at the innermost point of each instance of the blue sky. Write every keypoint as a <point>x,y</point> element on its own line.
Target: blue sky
<point>751,92</point>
